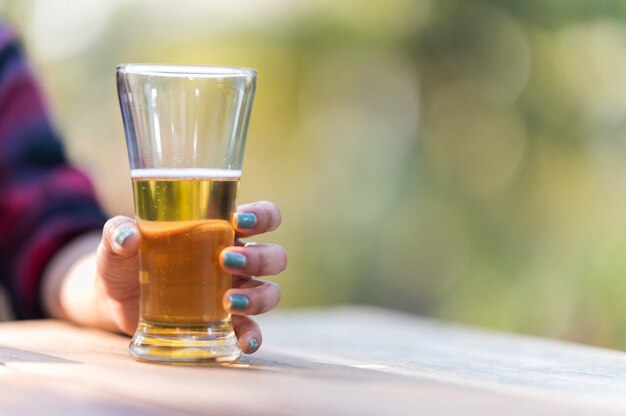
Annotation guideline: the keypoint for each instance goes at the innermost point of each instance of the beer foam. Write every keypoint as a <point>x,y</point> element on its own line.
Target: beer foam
<point>195,173</point>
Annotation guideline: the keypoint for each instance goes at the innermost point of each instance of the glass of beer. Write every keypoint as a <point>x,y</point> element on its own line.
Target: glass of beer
<point>186,129</point>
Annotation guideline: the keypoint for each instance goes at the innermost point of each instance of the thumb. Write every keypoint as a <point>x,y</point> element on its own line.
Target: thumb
<point>117,260</point>
<point>120,237</point>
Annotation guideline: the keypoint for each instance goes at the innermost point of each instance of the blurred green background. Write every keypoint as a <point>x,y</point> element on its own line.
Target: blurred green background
<point>460,159</point>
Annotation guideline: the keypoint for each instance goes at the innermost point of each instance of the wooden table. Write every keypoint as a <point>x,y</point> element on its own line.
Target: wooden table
<point>362,361</point>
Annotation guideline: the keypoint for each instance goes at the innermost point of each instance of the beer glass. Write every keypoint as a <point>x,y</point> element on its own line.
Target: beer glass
<point>186,129</point>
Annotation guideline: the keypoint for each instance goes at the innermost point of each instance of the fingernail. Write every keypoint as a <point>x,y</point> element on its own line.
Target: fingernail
<point>245,220</point>
<point>123,234</point>
<point>237,260</point>
<point>238,302</point>
<point>253,345</point>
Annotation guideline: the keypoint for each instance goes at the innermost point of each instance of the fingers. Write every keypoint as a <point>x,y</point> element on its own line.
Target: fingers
<point>116,257</point>
<point>251,297</point>
<point>120,237</point>
<point>249,336</point>
<point>256,218</point>
<point>254,260</point>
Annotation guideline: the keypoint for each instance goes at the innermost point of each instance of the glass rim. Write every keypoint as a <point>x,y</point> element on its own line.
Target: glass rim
<point>174,70</point>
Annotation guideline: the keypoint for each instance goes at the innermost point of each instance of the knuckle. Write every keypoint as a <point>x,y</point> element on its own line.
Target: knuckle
<point>261,304</point>
<point>270,259</point>
<point>264,298</point>
<point>263,262</point>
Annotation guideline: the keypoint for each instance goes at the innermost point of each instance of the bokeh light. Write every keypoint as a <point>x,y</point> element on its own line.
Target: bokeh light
<point>462,159</point>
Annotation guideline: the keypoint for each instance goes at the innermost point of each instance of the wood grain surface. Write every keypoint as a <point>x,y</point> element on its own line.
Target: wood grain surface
<point>340,361</point>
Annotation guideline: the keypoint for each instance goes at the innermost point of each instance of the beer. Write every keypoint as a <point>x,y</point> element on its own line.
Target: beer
<point>184,218</point>
<point>186,129</point>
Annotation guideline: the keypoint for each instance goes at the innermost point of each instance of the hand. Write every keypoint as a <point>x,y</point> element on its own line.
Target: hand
<point>112,300</point>
<point>249,295</point>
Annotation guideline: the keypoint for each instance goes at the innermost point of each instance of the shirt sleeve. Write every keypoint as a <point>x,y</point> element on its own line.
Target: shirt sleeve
<point>44,201</point>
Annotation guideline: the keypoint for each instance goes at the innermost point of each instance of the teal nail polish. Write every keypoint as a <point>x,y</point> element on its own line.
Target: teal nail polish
<point>238,302</point>
<point>245,220</point>
<point>122,235</point>
<point>254,344</point>
<point>237,260</point>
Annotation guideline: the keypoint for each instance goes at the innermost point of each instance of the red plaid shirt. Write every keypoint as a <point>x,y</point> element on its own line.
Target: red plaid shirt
<point>44,201</point>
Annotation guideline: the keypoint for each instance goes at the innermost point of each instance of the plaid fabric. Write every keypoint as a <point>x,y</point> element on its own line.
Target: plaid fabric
<point>44,201</point>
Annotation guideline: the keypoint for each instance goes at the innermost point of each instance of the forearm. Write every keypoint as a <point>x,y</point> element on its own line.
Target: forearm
<point>69,287</point>
<point>45,202</point>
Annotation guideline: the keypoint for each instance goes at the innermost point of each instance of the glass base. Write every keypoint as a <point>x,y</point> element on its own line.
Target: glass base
<point>184,344</point>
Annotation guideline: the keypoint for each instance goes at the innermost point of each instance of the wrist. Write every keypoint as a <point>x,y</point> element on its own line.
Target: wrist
<point>71,288</point>
<point>72,260</point>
